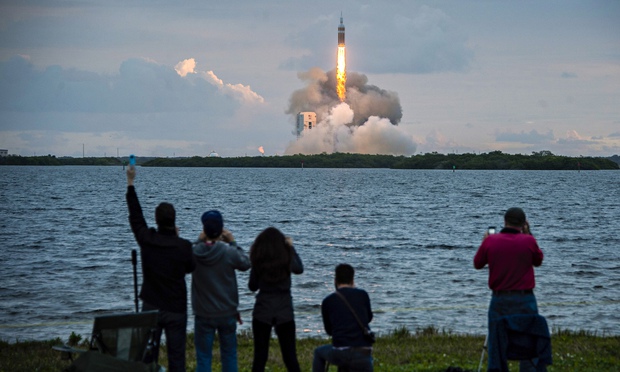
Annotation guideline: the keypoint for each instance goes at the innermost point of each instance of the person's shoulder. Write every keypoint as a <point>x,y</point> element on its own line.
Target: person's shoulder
<point>361,292</point>
<point>330,297</point>
<point>184,243</point>
<point>526,237</point>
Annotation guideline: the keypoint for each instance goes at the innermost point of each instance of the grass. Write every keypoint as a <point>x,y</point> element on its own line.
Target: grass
<point>427,349</point>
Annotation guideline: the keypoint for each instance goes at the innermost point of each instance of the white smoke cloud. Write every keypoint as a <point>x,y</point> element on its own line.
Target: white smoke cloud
<point>240,92</point>
<point>336,134</point>
<point>365,123</point>
<point>186,67</point>
<point>319,95</point>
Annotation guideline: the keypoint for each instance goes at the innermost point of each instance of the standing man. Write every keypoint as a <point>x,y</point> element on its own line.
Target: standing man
<point>511,255</point>
<point>166,258</point>
<point>350,347</point>
<point>215,297</point>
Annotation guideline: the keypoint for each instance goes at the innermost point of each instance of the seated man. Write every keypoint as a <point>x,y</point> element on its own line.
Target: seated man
<point>350,349</point>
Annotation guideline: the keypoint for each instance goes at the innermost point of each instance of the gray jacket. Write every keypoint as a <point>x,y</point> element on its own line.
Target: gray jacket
<point>214,281</point>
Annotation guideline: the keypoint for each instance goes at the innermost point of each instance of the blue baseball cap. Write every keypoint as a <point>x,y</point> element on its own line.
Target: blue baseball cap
<point>212,223</point>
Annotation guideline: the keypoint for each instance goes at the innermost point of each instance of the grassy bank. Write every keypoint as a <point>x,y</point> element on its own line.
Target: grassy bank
<point>423,350</point>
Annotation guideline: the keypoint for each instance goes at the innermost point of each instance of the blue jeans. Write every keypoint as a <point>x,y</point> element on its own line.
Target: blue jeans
<point>204,334</point>
<point>351,359</point>
<point>175,326</point>
<point>509,305</point>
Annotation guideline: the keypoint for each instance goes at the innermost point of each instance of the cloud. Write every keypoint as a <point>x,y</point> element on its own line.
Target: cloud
<point>240,92</point>
<point>569,75</point>
<point>140,86</point>
<point>531,137</point>
<point>365,123</point>
<point>165,110</point>
<point>185,67</point>
<point>572,137</point>
<point>435,140</point>
<point>366,100</point>
<point>336,134</point>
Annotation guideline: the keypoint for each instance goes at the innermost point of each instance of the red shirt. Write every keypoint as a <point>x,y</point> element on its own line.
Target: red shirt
<point>511,257</point>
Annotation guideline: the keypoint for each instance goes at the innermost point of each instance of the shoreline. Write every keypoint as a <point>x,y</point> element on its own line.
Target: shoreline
<point>425,349</point>
<point>495,160</point>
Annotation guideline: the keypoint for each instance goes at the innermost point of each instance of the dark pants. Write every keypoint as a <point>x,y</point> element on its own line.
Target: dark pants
<point>504,305</point>
<point>351,359</point>
<point>286,338</point>
<point>175,326</point>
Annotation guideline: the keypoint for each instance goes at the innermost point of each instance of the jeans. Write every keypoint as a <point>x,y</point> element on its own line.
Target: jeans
<point>511,304</point>
<point>204,334</point>
<point>351,359</point>
<point>286,338</point>
<point>175,326</point>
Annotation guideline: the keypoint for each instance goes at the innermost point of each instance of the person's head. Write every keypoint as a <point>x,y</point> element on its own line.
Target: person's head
<point>212,224</point>
<point>514,217</point>
<point>344,274</point>
<point>271,255</point>
<point>165,216</point>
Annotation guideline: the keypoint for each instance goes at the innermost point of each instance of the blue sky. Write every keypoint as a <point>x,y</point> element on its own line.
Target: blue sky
<point>157,78</point>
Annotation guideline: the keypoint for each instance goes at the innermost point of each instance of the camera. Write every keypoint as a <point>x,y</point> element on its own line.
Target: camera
<point>491,230</point>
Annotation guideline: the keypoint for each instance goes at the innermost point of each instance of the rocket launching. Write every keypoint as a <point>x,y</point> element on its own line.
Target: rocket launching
<point>347,115</point>
<point>341,32</point>
<point>341,72</point>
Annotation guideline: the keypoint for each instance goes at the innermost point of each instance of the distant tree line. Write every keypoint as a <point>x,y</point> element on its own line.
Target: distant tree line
<point>496,160</point>
<point>53,160</point>
<point>543,160</point>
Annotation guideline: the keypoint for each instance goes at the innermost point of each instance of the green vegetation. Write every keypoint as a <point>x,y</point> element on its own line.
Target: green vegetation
<point>543,160</point>
<point>496,160</point>
<point>52,160</point>
<point>427,349</point>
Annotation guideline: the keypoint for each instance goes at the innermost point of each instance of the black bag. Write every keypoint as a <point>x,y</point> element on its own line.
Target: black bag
<point>368,334</point>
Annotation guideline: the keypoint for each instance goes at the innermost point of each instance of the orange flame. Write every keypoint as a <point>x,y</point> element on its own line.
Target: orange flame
<point>341,74</point>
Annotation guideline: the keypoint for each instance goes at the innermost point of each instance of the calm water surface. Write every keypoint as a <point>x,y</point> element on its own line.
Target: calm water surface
<point>66,244</point>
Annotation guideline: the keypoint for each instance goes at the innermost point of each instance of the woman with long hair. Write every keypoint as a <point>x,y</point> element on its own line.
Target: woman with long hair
<point>273,260</point>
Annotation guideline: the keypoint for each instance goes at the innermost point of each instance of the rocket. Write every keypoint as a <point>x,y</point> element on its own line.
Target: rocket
<point>341,62</point>
<point>341,32</point>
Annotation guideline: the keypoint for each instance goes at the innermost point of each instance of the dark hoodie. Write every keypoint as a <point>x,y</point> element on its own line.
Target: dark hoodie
<point>166,259</point>
<point>214,282</point>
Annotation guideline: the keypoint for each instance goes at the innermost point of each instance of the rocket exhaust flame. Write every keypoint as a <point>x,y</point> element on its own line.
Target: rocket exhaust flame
<point>341,74</point>
<point>341,71</point>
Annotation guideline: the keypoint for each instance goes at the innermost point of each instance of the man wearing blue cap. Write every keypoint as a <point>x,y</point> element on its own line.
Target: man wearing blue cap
<point>215,296</point>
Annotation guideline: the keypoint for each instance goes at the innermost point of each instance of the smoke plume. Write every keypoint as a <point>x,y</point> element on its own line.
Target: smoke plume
<point>365,123</point>
<point>336,134</point>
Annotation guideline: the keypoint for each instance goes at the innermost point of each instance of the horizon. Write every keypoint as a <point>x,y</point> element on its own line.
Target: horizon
<point>335,153</point>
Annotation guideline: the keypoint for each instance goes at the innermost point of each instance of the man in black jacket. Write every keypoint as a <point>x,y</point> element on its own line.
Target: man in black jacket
<point>350,347</point>
<point>166,259</point>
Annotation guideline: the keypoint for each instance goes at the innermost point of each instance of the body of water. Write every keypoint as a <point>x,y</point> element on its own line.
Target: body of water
<point>65,241</point>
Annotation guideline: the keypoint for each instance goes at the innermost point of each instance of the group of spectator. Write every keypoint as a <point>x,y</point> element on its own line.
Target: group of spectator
<point>214,258</point>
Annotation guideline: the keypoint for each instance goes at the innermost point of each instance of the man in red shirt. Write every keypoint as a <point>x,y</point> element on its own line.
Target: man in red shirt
<point>511,255</point>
